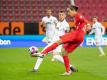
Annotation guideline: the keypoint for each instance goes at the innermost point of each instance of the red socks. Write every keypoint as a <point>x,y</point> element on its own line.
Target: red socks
<point>66,63</point>
<point>50,48</point>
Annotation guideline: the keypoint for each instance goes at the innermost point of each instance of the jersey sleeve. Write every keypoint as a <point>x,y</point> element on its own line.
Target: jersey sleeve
<point>43,22</point>
<point>92,30</point>
<point>83,21</point>
<point>43,19</point>
<point>55,20</point>
<point>102,28</point>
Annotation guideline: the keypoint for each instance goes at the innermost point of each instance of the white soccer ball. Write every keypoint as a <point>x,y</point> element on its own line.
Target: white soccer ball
<point>33,51</point>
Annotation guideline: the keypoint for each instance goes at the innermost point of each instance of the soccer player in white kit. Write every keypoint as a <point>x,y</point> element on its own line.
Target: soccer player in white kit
<point>61,28</point>
<point>49,22</point>
<point>99,30</point>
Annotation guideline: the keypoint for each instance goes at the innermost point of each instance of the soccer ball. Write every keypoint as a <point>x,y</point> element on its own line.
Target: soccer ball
<point>33,51</point>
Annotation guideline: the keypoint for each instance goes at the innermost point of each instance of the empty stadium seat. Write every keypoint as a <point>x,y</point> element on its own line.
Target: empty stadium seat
<point>36,8</point>
<point>23,9</point>
<point>93,8</point>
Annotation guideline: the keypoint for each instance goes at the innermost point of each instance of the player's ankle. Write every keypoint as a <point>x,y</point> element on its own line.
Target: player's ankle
<point>41,55</point>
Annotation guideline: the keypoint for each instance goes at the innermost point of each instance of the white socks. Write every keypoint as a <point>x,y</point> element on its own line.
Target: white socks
<point>59,58</point>
<point>55,57</point>
<point>101,50</point>
<point>38,62</point>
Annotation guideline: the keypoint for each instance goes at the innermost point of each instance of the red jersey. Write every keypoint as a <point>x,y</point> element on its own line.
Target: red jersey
<point>80,21</point>
<point>74,39</point>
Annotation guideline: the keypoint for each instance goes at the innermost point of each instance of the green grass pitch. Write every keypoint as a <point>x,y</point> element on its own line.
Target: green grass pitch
<point>16,64</point>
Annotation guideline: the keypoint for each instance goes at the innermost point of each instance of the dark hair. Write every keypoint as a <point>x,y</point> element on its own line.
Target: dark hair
<point>62,11</point>
<point>72,28</point>
<point>73,7</point>
<point>94,17</point>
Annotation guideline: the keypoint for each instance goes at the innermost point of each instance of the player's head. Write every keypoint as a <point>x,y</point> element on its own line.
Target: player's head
<point>61,15</point>
<point>94,19</point>
<point>72,10</point>
<point>49,12</point>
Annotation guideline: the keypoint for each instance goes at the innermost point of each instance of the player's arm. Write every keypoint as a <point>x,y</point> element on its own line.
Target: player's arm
<point>103,29</point>
<point>55,22</point>
<point>84,22</point>
<point>93,29</point>
<point>43,24</point>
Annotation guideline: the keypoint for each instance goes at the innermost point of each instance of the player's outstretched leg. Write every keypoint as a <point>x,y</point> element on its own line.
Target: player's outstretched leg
<point>50,48</point>
<point>45,51</point>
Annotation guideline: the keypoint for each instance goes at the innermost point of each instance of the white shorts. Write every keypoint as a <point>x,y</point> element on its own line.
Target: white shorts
<point>98,40</point>
<point>58,49</point>
<point>49,37</point>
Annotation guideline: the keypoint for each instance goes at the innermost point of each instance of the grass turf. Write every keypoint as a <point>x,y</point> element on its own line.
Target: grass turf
<point>16,64</point>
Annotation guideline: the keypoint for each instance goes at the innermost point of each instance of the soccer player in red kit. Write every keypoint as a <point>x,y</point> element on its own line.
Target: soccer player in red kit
<point>70,41</point>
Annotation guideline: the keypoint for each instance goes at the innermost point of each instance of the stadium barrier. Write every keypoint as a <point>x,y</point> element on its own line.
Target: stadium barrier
<point>21,28</point>
<point>18,28</point>
<point>36,40</point>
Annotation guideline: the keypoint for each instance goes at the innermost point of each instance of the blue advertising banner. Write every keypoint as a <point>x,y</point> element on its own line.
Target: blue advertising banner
<point>89,41</point>
<point>21,41</point>
<point>36,40</point>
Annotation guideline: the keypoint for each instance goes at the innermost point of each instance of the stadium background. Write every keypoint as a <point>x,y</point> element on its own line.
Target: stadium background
<point>23,16</point>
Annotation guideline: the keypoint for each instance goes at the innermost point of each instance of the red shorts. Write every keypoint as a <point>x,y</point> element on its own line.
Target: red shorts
<point>72,40</point>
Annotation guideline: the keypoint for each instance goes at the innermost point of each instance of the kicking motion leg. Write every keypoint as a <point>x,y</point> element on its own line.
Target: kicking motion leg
<point>45,51</point>
<point>50,48</point>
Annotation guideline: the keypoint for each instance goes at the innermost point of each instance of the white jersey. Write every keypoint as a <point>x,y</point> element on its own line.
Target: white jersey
<point>50,23</point>
<point>99,30</point>
<point>61,28</point>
